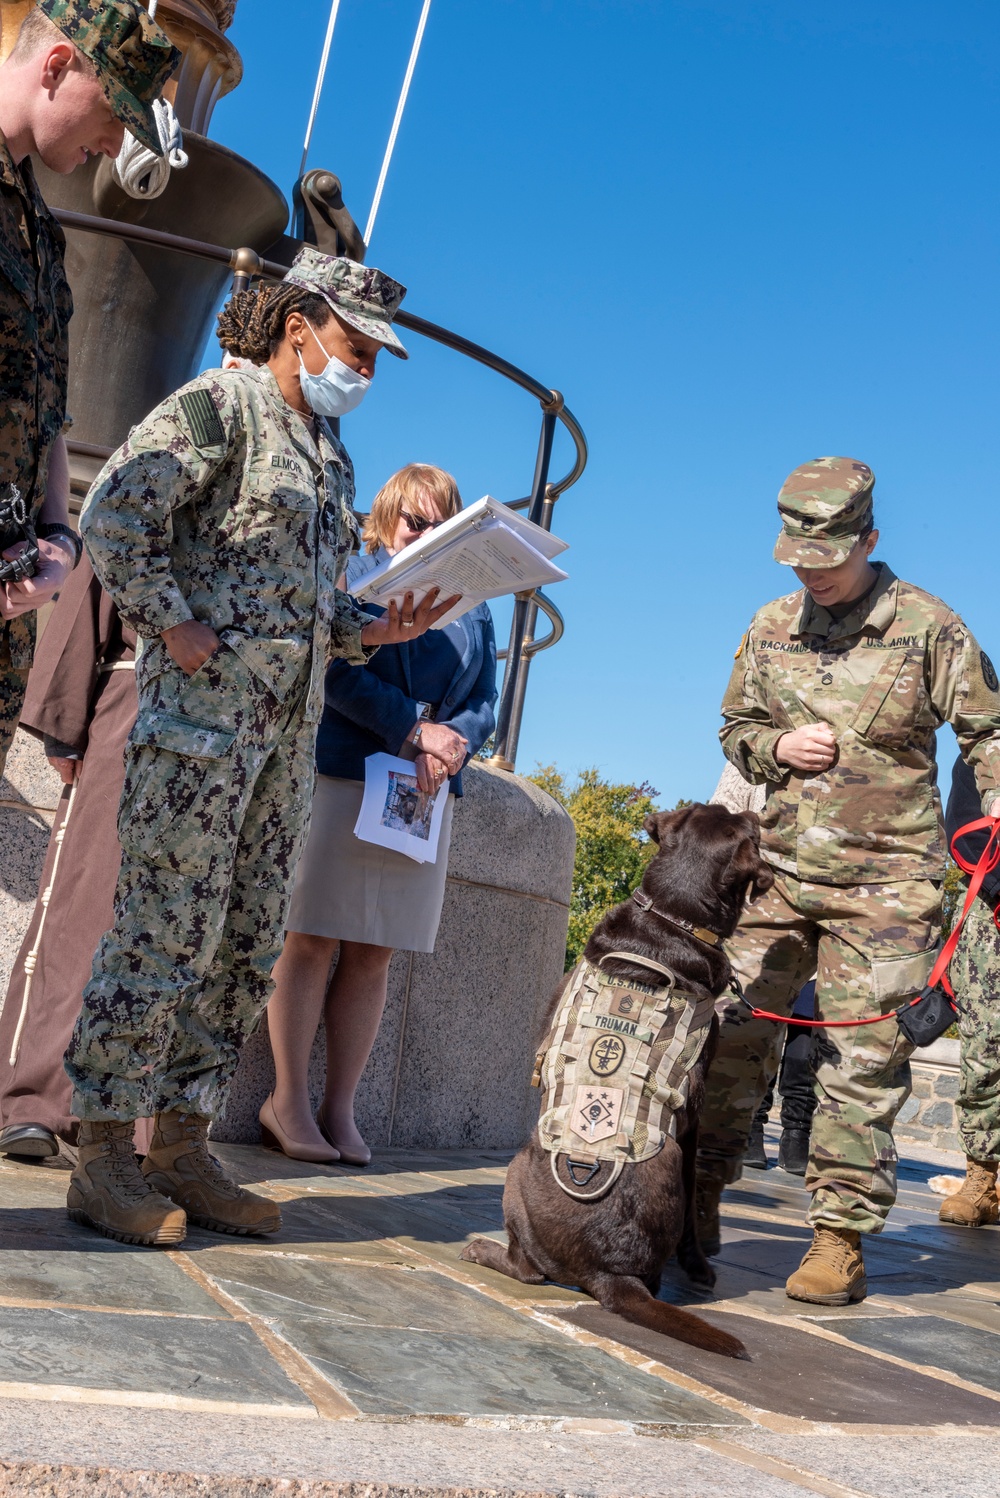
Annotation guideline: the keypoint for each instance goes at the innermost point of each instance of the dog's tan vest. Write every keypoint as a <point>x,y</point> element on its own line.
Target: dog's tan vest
<point>614,1069</point>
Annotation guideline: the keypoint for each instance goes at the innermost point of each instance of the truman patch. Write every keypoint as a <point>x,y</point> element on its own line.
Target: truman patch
<point>989,674</point>
<point>624,1027</point>
<point>202,418</point>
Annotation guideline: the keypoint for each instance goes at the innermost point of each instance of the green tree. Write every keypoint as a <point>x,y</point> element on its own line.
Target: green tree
<point>612,850</point>
<point>952,896</point>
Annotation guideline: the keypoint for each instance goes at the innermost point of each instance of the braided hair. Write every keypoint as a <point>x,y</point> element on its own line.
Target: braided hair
<point>252,323</point>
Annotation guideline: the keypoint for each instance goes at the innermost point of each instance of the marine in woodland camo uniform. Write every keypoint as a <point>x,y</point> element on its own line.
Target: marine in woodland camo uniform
<point>133,60</point>
<point>35,309</point>
<point>222,506</point>
<point>858,849</point>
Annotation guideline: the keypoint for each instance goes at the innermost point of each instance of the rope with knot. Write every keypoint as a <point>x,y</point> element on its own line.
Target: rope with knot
<point>139,170</point>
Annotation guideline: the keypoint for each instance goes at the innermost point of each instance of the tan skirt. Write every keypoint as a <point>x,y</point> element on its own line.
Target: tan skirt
<point>355,891</point>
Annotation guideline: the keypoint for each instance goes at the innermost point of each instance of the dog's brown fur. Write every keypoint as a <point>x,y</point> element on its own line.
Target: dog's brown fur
<point>615,1248</point>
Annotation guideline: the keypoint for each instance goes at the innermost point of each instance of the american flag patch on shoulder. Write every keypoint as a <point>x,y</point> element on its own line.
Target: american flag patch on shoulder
<point>202,418</point>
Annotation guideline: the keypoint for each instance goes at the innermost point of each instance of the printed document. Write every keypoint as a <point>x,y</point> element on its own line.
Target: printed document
<point>483,552</point>
<point>396,813</point>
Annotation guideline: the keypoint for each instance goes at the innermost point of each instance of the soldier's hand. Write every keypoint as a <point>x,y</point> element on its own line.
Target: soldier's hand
<point>190,644</point>
<point>811,748</point>
<point>55,563</point>
<point>400,624</point>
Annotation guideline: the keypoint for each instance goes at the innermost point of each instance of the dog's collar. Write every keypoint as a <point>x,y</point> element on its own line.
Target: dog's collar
<point>700,933</point>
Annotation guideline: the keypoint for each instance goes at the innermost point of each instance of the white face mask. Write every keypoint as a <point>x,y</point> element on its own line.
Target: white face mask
<point>337,390</point>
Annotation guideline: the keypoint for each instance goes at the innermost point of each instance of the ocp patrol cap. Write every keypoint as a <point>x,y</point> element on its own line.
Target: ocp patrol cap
<point>366,298</point>
<point>132,57</point>
<point>824,505</point>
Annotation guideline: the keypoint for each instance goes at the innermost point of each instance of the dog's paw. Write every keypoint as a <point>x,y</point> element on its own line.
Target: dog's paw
<point>470,1253</point>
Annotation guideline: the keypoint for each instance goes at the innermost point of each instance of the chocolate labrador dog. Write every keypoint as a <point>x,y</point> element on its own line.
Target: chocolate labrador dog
<point>708,862</point>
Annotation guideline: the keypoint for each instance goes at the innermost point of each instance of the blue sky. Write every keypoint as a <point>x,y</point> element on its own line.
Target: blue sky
<point>736,234</point>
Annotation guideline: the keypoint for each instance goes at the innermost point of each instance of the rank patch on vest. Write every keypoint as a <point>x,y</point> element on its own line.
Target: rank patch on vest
<point>606,1055</point>
<point>203,419</point>
<point>989,674</point>
<point>626,1005</point>
<point>596,1111</point>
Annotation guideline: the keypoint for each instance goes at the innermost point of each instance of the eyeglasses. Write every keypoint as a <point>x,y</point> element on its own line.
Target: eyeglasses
<point>418,523</point>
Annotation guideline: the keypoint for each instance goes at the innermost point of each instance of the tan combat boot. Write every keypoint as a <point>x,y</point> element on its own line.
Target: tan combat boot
<point>108,1191</point>
<point>179,1164</point>
<point>832,1272</point>
<point>975,1203</point>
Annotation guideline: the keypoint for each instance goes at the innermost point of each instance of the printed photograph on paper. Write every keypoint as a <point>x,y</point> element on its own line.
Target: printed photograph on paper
<point>407,808</point>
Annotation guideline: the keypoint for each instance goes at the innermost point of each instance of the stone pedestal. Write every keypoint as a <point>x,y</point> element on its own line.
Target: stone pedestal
<point>453,1059</point>
<point>451,1065</point>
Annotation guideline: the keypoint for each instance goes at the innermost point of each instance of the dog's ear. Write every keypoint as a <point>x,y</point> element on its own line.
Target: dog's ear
<point>746,867</point>
<point>659,823</point>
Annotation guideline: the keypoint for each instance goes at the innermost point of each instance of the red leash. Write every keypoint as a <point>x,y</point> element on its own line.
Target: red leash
<point>988,860</point>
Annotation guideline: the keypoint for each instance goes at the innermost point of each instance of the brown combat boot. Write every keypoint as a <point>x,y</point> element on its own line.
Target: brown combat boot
<point>832,1272</point>
<point>179,1164</point>
<point>975,1203</point>
<point>108,1191</point>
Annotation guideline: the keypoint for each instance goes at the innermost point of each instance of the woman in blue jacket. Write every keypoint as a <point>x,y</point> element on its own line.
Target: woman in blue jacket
<point>430,700</point>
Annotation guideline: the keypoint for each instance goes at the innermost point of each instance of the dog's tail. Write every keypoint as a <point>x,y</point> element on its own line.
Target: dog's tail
<point>630,1298</point>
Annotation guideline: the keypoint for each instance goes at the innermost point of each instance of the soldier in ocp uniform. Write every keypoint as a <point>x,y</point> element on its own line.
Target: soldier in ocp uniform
<point>834,700</point>
<point>79,73</point>
<point>219,529</point>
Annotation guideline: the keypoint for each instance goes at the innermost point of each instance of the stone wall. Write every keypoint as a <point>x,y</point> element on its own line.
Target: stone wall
<point>928,1115</point>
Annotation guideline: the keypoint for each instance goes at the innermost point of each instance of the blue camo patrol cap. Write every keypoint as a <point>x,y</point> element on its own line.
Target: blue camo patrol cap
<point>825,506</point>
<point>366,298</point>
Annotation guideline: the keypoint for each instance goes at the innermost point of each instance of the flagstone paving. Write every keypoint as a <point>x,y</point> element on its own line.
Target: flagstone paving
<point>356,1352</point>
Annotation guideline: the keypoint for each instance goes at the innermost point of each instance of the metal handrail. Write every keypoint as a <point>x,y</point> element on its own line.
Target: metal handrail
<point>532,647</point>
<point>246,264</point>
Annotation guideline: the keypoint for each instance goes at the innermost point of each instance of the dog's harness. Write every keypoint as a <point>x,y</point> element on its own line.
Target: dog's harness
<point>614,1070</point>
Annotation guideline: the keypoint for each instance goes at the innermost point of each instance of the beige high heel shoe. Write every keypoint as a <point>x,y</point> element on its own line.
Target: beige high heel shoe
<point>347,1157</point>
<point>274,1137</point>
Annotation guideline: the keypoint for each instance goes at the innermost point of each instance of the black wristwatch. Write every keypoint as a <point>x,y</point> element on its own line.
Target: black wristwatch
<point>49,528</point>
